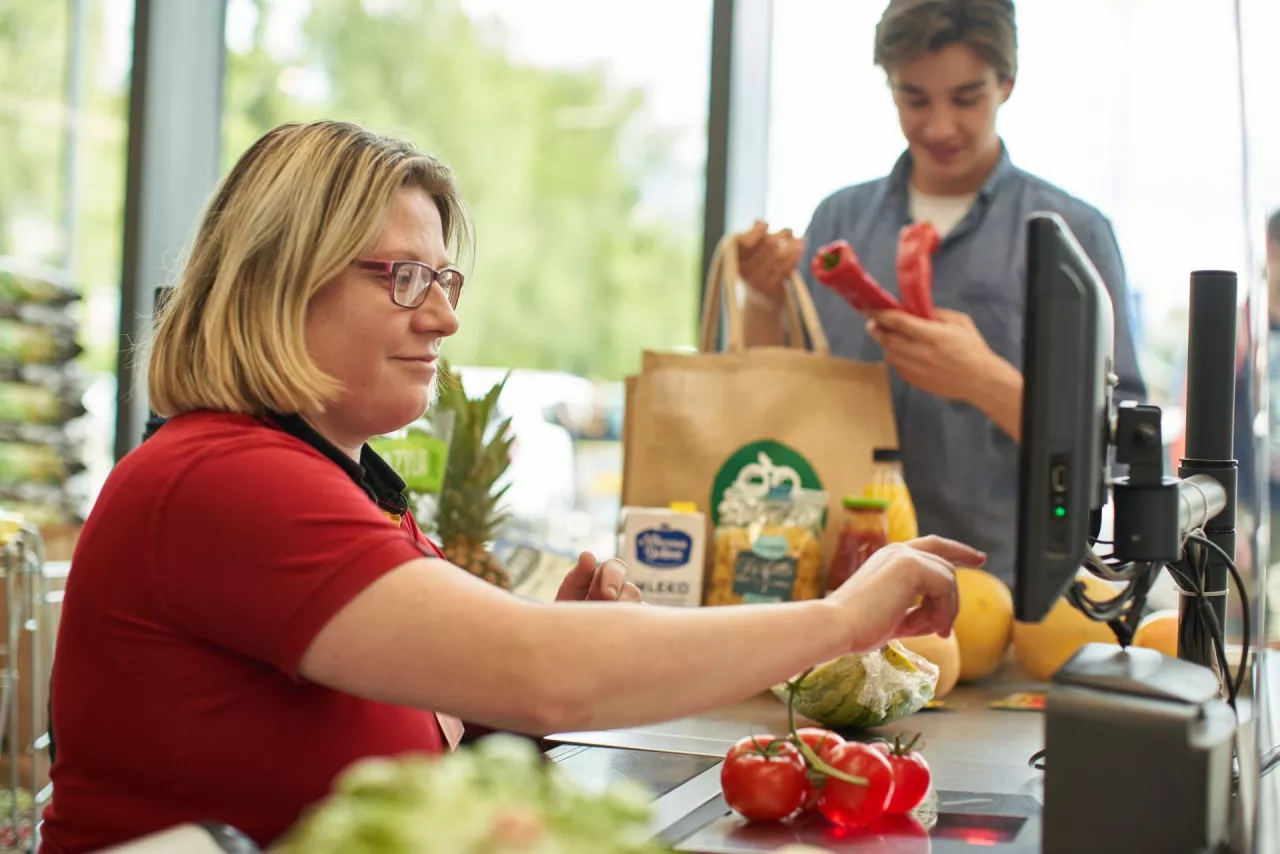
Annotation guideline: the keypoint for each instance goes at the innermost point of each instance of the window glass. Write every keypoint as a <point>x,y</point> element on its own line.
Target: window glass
<point>64,87</point>
<point>577,130</point>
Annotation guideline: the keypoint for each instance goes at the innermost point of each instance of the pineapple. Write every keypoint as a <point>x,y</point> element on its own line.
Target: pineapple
<point>467,515</point>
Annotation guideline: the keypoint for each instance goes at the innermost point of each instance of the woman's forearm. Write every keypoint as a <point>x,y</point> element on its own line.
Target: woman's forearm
<point>623,665</point>
<point>432,636</point>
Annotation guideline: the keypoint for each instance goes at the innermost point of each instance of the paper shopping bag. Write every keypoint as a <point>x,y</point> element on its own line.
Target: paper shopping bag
<point>714,426</point>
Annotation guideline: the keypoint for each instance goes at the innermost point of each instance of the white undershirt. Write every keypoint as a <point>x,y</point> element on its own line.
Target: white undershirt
<point>945,212</point>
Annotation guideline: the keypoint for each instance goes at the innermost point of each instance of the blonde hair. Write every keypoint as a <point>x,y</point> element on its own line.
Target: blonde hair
<point>294,212</point>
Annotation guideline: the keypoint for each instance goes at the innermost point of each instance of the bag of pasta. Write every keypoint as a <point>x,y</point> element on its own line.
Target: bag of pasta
<point>769,548</point>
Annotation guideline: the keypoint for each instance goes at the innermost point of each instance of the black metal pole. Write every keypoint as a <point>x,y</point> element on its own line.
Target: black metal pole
<point>715,207</point>
<point>1211,369</point>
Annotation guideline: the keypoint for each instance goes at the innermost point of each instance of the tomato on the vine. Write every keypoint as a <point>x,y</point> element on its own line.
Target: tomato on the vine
<point>911,775</point>
<point>822,742</point>
<point>764,778</point>
<point>849,805</point>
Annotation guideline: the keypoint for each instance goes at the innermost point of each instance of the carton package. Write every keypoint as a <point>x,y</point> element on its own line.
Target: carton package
<point>664,549</point>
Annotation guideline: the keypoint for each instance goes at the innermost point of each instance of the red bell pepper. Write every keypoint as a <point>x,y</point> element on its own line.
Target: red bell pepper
<point>837,267</point>
<point>916,244</point>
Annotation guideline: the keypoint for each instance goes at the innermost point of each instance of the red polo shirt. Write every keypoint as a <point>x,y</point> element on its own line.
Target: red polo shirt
<point>214,555</point>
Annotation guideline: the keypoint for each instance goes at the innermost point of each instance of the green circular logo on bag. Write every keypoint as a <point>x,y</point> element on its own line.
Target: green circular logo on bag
<point>756,468</point>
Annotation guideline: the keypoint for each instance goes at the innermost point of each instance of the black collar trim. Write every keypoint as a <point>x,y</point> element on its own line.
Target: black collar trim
<point>372,474</point>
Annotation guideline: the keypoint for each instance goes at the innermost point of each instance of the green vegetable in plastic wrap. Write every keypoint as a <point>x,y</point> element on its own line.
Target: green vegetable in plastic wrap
<point>24,344</point>
<point>24,461</point>
<point>22,403</point>
<point>864,690</point>
<point>492,797</point>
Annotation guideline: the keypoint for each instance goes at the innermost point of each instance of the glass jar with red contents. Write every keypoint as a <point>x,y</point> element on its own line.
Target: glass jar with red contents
<point>865,532</point>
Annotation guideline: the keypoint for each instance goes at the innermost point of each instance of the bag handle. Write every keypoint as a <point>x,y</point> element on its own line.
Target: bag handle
<point>721,290</point>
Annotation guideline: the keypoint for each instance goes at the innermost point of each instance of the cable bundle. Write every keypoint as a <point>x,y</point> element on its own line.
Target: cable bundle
<point>1200,635</point>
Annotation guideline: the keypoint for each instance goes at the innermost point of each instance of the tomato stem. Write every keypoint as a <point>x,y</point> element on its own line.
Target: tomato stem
<point>769,749</point>
<point>815,762</point>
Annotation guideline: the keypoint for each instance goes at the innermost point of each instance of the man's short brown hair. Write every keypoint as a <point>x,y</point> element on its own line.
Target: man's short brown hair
<point>909,29</point>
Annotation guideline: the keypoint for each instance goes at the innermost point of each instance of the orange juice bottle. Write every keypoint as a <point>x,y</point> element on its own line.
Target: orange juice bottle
<point>887,484</point>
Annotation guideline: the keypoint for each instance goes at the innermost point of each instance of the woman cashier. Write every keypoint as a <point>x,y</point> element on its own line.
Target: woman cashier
<point>957,381</point>
<point>251,607</point>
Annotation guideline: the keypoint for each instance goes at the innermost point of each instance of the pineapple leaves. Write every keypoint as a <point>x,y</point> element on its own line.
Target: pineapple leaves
<point>468,514</point>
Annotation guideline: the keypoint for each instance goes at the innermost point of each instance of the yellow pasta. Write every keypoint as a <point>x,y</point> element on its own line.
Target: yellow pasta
<point>803,552</point>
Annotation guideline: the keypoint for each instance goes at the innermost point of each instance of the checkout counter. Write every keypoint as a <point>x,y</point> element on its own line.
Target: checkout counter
<point>987,795</point>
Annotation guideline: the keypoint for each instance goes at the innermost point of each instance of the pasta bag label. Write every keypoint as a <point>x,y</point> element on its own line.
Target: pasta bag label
<point>769,511</point>
<point>766,572</point>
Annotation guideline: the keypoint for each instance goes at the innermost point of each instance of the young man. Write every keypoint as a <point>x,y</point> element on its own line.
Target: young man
<point>957,381</point>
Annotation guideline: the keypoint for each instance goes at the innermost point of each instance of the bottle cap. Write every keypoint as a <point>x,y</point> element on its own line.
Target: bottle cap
<point>859,502</point>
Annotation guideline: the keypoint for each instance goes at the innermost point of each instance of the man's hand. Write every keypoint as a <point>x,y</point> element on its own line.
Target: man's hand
<point>604,582</point>
<point>767,259</point>
<point>948,357</point>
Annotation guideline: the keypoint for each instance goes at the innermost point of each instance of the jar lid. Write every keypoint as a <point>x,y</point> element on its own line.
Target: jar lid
<point>887,455</point>
<point>858,502</point>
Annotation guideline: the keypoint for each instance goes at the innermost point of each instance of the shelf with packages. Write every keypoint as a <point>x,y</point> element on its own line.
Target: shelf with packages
<point>41,411</point>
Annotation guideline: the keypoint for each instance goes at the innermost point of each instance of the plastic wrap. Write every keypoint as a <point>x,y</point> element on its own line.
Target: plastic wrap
<point>865,690</point>
<point>497,796</point>
<point>768,548</point>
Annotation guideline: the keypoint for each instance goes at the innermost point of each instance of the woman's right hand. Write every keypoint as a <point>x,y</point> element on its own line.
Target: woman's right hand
<point>879,600</point>
<point>766,260</point>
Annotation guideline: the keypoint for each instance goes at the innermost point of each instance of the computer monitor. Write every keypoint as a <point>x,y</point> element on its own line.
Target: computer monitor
<point>1067,367</point>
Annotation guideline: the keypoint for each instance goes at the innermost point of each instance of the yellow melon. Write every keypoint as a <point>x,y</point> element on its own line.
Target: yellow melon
<point>1045,646</point>
<point>1159,630</point>
<point>944,652</point>
<point>984,624</point>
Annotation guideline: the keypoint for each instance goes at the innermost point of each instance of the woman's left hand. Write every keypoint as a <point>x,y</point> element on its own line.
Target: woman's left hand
<point>599,582</point>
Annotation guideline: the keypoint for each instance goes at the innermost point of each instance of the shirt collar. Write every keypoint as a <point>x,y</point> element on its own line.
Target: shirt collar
<point>372,474</point>
<point>896,187</point>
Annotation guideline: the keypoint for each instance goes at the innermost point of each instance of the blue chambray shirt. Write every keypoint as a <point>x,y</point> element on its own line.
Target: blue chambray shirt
<point>961,469</point>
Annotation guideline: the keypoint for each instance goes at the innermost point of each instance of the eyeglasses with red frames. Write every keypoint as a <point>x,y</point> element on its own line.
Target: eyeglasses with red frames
<point>409,282</point>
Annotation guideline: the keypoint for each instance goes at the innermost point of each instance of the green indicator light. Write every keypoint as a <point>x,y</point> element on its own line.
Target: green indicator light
<point>1060,512</point>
